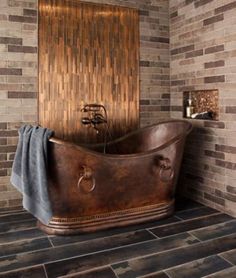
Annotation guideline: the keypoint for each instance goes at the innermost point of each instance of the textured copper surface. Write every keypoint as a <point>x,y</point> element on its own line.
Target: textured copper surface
<point>132,183</point>
<point>204,100</point>
<point>88,53</point>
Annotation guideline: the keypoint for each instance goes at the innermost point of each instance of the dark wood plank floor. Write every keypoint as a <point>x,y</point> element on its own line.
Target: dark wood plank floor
<point>196,242</point>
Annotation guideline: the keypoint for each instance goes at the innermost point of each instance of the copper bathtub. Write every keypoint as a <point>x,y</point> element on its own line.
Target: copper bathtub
<point>133,182</point>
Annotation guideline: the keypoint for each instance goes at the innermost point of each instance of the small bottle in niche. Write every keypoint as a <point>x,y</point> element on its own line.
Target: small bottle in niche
<point>189,108</point>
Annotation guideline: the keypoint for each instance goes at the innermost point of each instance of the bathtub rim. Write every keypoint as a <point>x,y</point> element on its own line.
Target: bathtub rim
<point>83,148</point>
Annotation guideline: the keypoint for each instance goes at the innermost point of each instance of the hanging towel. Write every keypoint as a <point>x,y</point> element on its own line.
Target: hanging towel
<point>29,171</point>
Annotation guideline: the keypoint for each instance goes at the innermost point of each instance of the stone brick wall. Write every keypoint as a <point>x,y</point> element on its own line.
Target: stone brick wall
<point>18,83</point>
<point>203,56</point>
<point>18,73</point>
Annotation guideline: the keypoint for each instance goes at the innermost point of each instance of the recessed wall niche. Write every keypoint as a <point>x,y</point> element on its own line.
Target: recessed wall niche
<point>88,53</point>
<point>202,104</point>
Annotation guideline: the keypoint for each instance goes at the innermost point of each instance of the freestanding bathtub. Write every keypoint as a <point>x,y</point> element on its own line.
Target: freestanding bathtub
<point>133,182</point>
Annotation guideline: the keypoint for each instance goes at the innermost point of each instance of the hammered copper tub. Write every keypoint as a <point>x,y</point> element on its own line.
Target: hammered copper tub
<point>133,182</point>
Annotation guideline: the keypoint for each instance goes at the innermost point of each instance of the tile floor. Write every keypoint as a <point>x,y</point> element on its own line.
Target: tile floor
<point>196,242</point>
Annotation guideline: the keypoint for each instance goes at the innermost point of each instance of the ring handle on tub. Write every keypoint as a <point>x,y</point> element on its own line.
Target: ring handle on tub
<point>165,165</point>
<point>87,175</point>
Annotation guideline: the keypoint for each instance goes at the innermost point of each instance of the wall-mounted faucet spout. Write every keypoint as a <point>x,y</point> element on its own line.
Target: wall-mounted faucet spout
<point>98,119</point>
<point>97,115</point>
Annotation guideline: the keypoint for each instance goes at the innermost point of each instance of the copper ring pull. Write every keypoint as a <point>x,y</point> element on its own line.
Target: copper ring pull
<point>87,175</point>
<point>164,167</point>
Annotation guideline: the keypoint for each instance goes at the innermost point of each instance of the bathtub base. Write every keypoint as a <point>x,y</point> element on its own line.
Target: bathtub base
<point>69,226</point>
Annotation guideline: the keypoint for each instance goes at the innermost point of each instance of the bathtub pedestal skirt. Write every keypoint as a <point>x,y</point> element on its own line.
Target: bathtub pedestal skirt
<point>68,226</point>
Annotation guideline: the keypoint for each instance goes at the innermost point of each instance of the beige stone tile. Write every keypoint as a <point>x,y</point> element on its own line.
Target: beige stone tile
<point>4,180</point>
<point>12,141</point>
<point>10,103</point>
<point>9,195</point>
<point>3,95</point>
<point>10,118</point>
<point>22,79</point>
<point>29,118</point>
<point>230,207</point>
<point>23,4</point>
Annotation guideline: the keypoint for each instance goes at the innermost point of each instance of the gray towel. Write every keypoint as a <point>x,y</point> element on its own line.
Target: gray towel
<point>29,171</point>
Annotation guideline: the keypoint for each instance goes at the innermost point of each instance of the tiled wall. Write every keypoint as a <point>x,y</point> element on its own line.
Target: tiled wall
<point>18,73</point>
<point>18,83</point>
<point>203,56</point>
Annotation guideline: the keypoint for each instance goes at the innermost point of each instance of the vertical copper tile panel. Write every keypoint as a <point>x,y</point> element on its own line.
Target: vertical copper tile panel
<point>88,53</point>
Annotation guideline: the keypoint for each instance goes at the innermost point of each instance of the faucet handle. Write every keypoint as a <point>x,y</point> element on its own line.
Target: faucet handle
<point>86,121</point>
<point>93,107</point>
